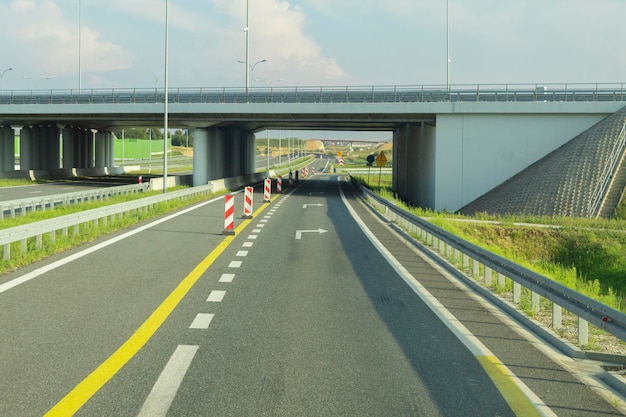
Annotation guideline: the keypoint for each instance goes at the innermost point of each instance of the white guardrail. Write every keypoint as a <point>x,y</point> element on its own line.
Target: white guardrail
<point>12,208</point>
<point>35,231</point>
<point>472,260</point>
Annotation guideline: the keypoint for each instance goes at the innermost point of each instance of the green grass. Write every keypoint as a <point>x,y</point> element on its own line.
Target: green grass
<point>14,182</point>
<point>86,232</point>
<point>586,255</point>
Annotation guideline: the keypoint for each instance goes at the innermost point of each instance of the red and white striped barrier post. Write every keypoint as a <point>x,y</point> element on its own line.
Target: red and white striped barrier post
<point>229,214</point>
<point>267,190</point>
<point>302,173</point>
<point>306,171</point>
<point>279,184</point>
<point>247,203</point>
<point>312,170</point>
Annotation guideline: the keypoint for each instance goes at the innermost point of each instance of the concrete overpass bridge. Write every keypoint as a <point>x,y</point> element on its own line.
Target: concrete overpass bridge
<point>451,145</point>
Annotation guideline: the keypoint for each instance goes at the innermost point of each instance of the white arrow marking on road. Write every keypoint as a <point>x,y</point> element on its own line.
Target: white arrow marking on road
<point>299,232</point>
<point>311,205</point>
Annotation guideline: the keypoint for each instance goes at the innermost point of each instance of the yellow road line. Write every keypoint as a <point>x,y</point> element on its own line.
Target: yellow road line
<point>511,392</point>
<point>88,387</point>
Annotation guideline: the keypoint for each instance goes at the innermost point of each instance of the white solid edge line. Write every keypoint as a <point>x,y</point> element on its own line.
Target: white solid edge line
<point>458,329</point>
<point>40,271</point>
<point>164,390</point>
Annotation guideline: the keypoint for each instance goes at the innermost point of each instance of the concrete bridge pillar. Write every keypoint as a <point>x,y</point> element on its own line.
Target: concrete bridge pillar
<point>52,155</point>
<point>69,139</point>
<point>221,153</point>
<point>101,152</point>
<point>109,149</point>
<point>26,148</point>
<point>7,145</point>
<point>414,164</point>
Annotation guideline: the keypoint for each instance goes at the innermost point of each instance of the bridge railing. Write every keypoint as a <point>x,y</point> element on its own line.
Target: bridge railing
<point>483,266</point>
<point>327,94</point>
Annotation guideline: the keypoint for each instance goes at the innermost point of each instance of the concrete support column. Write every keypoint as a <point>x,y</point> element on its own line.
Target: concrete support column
<point>69,140</point>
<point>414,164</point>
<point>52,157</point>
<point>110,149</point>
<point>39,147</point>
<point>218,157</point>
<point>7,140</point>
<point>26,148</point>
<point>200,157</point>
<point>81,148</point>
<point>89,151</point>
<point>101,140</point>
<point>222,153</point>
<point>234,152</point>
<point>249,166</point>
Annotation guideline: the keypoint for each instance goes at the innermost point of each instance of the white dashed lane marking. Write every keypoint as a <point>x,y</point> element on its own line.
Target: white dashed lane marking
<point>202,321</point>
<point>227,278</point>
<point>216,296</point>
<point>242,253</point>
<point>235,264</point>
<point>247,244</point>
<point>162,394</point>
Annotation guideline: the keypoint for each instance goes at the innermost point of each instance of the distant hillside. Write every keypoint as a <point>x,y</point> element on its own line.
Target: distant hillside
<point>314,145</point>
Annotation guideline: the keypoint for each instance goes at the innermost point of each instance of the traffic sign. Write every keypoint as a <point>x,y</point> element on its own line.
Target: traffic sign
<point>381,159</point>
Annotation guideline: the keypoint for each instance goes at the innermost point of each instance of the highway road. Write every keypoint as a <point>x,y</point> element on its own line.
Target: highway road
<point>62,187</point>
<point>312,308</point>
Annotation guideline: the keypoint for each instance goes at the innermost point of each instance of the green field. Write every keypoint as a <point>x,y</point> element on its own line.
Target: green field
<point>137,149</point>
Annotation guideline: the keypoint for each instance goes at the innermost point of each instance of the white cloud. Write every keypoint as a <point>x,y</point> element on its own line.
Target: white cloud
<point>44,42</point>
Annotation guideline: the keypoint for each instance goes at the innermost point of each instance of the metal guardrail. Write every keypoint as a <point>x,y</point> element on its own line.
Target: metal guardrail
<point>586,309</point>
<point>13,208</point>
<point>331,94</point>
<point>610,167</point>
<point>63,223</point>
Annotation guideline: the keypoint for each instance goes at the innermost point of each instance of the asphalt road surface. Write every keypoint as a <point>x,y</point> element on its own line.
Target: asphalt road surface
<point>297,314</point>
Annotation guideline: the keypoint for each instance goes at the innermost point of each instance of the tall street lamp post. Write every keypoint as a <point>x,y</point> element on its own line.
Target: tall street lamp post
<point>36,83</point>
<point>165,100</point>
<point>2,76</point>
<point>249,74</point>
<point>80,75</point>
<point>448,44</point>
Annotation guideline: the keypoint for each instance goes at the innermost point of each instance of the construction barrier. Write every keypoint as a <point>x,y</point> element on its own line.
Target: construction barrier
<point>312,170</point>
<point>247,203</point>
<point>267,190</point>
<point>229,214</point>
<point>279,184</point>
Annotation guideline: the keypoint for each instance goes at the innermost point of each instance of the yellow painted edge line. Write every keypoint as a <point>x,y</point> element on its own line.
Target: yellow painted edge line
<point>512,394</point>
<point>88,387</point>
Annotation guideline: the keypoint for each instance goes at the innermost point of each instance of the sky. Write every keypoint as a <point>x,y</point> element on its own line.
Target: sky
<point>309,42</point>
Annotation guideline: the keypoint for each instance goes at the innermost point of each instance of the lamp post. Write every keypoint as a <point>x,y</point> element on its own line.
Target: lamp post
<point>165,110</point>
<point>2,76</point>
<point>270,83</point>
<point>448,44</point>
<point>249,75</point>
<point>36,83</point>
<point>80,76</point>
